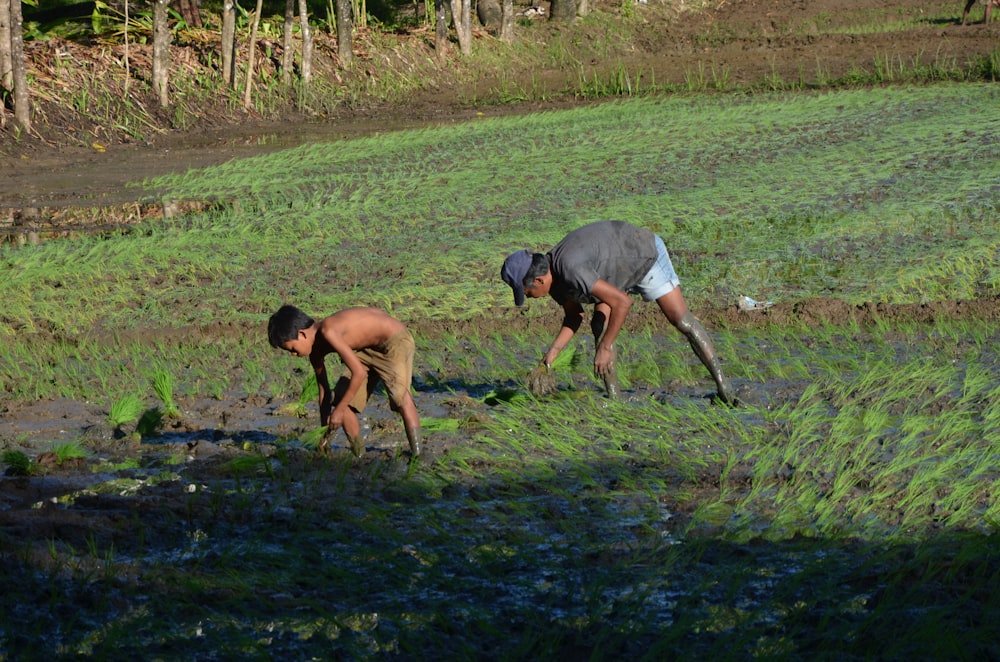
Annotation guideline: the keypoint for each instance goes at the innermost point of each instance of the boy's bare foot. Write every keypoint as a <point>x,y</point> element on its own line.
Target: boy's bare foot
<point>357,445</point>
<point>413,436</point>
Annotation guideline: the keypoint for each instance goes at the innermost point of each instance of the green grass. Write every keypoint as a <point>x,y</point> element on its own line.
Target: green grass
<point>783,197</point>
<point>848,509</point>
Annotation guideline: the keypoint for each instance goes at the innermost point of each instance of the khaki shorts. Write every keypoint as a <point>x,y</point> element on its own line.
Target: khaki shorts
<point>390,363</point>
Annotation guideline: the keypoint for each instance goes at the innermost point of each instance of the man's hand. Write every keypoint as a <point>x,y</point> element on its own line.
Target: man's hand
<point>604,361</point>
<point>541,381</point>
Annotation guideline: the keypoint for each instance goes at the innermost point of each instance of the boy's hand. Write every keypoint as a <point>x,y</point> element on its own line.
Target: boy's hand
<point>336,419</point>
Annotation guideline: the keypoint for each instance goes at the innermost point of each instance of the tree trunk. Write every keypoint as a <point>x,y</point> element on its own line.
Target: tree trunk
<point>359,10</point>
<point>191,13</point>
<point>563,11</point>
<point>6,68</point>
<point>251,55</point>
<point>307,42</point>
<point>507,21</point>
<point>582,7</point>
<point>440,30</point>
<point>461,16</point>
<point>229,42</point>
<point>19,72</point>
<point>488,12</point>
<point>161,52</point>
<point>287,47</point>
<point>345,29</point>
<point>126,63</point>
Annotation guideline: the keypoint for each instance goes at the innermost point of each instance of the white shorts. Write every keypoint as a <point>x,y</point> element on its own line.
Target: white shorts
<point>661,279</point>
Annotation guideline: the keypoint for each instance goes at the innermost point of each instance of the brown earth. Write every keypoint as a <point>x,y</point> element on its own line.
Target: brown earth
<point>746,41</point>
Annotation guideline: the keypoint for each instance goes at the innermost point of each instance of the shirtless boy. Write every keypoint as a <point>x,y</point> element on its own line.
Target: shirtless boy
<point>368,340</point>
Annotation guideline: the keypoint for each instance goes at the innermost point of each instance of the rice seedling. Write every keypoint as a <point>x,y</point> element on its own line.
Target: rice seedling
<point>69,450</point>
<point>124,410</point>
<point>307,395</point>
<point>312,438</point>
<point>163,387</point>
<point>18,463</point>
<point>506,140</point>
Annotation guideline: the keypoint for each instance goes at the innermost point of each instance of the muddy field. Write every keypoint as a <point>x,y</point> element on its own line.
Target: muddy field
<point>65,503</point>
<point>212,430</point>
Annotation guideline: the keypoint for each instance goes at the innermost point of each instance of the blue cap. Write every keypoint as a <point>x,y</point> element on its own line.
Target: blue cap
<point>515,268</point>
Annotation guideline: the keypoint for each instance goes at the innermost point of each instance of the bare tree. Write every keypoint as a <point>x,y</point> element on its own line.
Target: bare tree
<point>229,42</point>
<point>307,42</point>
<point>440,30</point>
<point>461,16</point>
<point>191,13</point>
<point>251,53</point>
<point>161,52</point>
<point>507,21</point>
<point>287,49</point>
<point>125,43</point>
<point>345,28</point>
<point>6,69</point>
<point>18,69</point>
<point>563,11</point>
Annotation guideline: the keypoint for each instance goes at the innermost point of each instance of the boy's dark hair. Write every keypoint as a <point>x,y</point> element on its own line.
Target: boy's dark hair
<point>285,325</point>
<point>539,267</point>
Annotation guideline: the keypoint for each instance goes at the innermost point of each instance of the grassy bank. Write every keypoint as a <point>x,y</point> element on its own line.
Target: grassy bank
<point>83,95</point>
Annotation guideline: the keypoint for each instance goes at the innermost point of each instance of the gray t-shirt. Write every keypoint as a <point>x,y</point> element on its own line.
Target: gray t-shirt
<point>615,251</point>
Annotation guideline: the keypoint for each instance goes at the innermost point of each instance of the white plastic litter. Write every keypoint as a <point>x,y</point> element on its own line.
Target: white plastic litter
<point>747,304</point>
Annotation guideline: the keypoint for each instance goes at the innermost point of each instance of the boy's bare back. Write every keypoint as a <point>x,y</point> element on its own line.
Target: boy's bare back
<point>358,328</point>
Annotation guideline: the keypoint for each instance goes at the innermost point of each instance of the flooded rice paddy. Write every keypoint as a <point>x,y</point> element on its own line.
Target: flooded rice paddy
<point>661,524</point>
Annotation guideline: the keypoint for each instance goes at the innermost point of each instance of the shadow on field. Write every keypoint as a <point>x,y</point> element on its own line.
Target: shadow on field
<point>293,556</point>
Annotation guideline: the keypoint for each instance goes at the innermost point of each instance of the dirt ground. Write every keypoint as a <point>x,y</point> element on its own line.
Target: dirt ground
<point>749,39</point>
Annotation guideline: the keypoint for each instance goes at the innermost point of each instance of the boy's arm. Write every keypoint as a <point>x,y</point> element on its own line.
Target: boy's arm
<point>323,382</point>
<point>358,374</point>
<point>572,318</point>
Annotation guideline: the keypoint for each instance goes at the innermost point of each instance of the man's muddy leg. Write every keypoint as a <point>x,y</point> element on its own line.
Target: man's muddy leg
<point>675,308</point>
<point>702,345</point>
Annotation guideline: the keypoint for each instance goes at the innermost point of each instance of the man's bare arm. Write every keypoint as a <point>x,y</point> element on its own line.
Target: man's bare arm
<point>620,303</point>
<point>572,318</point>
